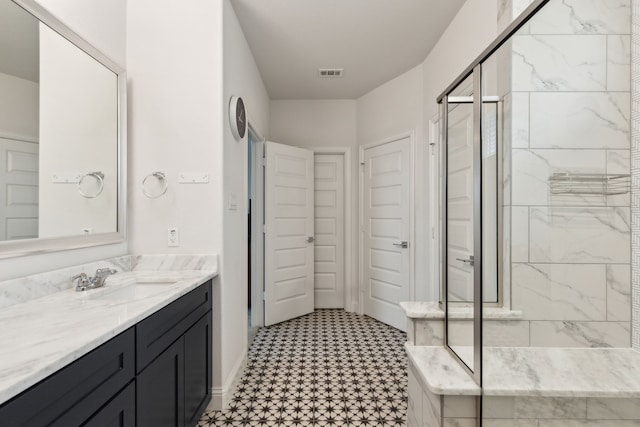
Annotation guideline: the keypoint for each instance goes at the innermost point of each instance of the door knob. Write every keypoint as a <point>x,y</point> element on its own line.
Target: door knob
<point>310,239</point>
<point>470,261</point>
<point>402,244</point>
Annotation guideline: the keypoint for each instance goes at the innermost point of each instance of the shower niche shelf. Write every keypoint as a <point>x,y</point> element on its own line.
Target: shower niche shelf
<point>589,184</point>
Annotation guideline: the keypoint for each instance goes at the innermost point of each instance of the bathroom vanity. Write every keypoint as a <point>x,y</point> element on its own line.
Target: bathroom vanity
<point>135,353</point>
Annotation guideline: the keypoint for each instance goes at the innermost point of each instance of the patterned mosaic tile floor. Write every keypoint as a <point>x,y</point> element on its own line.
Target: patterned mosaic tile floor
<point>329,368</point>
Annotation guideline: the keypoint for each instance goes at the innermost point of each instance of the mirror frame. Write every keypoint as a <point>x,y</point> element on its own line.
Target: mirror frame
<point>18,248</point>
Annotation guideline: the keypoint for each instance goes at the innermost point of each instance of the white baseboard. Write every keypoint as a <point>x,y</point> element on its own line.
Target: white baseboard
<point>221,396</point>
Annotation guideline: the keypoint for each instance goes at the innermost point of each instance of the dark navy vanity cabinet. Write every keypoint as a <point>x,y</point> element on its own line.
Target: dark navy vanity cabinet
<point>157,373</point>
<point>173,353</point>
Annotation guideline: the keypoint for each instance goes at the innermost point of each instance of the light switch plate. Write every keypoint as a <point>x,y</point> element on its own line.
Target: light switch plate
<point>233,202</point>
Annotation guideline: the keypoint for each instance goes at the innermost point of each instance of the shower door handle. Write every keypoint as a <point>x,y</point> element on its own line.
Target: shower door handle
<point>469,261</point>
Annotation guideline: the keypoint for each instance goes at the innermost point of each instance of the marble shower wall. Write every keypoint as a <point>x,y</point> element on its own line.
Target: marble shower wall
<point>569,95</point>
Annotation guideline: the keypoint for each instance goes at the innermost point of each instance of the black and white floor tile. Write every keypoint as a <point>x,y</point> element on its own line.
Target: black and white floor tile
<point>329,368</point>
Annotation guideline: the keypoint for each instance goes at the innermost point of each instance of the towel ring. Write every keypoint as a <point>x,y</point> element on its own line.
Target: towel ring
<point>161,178</point>
<point>98,176</point>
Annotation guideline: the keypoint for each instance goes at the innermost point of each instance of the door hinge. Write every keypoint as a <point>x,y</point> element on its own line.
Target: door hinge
<point>264,228</point>
<point>433,148</point>
<point>264,296</point>
<point>264,162</point>
<point>433,232</point>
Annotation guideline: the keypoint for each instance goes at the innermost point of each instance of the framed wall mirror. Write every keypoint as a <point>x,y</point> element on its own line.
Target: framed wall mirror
<point>62,137</point>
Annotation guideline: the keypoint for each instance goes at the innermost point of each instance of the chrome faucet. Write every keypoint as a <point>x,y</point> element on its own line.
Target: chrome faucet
<point>85,282</point>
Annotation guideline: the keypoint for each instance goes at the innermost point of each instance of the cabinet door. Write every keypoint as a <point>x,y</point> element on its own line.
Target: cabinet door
<point>160,390</point>
<point>197,369</point>
<point>119,412</point>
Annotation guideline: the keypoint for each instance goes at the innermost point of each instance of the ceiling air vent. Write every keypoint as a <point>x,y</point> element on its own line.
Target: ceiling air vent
<point>330,73</point>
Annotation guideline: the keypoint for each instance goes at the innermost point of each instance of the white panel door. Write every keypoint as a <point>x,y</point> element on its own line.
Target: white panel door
<point>387,228</point>
<point>329,228</point>
<point>289,248</point>
<point>19,189</point>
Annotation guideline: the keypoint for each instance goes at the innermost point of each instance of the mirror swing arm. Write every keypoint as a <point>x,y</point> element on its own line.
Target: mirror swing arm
<point>18,248</point>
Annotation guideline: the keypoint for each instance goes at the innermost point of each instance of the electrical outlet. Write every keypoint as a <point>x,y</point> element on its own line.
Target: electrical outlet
<point>173,237</point>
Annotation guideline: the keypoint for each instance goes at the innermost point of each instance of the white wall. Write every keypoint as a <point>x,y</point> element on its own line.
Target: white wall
<point>470,32</point>
<point>174,56</point>
<point>323,123</point>
<point>386,112</point>
<point>241,78</point>
<point>76,136</point>
<point>103,24</point>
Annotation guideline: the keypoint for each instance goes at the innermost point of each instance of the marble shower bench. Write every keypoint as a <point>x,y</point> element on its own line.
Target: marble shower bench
<point>522,386</point>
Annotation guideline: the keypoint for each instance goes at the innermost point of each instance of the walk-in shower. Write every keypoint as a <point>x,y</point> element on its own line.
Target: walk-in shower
<point>536,199</point>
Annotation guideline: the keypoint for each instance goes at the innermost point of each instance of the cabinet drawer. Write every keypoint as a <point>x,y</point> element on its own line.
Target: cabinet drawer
<point>160,330</point>
<point>120,412</point>
<point>70,396</point>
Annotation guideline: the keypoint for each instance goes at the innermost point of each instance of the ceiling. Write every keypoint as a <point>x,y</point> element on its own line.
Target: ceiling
<point>18,42</point>
<point>373,40</point>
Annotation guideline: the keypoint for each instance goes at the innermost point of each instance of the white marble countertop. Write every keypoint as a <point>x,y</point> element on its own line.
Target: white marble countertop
<point>433,311</point>
<point>441,373</point>
<point>45,334</point>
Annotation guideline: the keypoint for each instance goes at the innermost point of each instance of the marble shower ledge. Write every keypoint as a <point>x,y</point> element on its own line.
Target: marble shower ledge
<point>533,372</point>
<point>432,311</point>
<point>561,372</point>
<point>440,372</point>
<point>43,335</point>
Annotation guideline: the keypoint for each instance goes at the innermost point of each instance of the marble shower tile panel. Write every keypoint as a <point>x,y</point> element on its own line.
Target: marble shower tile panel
<point>505,333</point>
<point>519,234</point>
<point>613,409</point>
<point>580,334</point>
<point>431,408</point>
<point>559,291</point>
<point>580,120</point>
<point>588,423</point>
<point>579,235</point>
<point>535,407</point>
<point>459,406</point>
<point>583,17</point>
<point>532,169</point>
<point>619,161</point>
<point>428,332</point>
<point>559,63</point>
<point>619,63</point>
<point>487,422</point>
<point>459,422</point>
<point>619,292</point>
<point>519,120</point>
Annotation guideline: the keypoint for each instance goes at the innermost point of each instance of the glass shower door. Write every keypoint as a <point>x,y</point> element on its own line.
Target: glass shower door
<point>460,268</point>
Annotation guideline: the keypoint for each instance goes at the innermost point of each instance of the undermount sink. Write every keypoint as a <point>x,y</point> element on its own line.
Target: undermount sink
<point>138,288</point>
